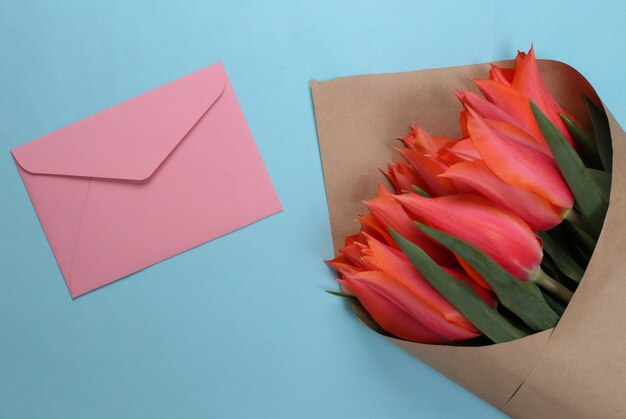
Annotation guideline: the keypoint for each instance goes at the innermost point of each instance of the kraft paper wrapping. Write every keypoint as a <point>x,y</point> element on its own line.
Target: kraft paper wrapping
<point>577,369</point>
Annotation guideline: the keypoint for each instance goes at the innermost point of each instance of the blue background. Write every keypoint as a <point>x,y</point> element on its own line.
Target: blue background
<point>239,327</point>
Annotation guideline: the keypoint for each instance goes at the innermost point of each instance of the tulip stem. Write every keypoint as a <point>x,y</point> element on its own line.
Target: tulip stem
<point>551,285</point>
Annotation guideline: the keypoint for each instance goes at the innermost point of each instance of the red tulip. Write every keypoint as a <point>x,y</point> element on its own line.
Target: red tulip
<point>380,257</point>
<point>499,233</point>
<point>528,81</point>
<point>514,103</point>
<point>538,213</point>
<point>399,299</point>
<point>502,75</point>
<point>429,168</point>
<point>403,176</point>
<point>518,135</point>
<point>418,139</point>
<point>371,226</point>
<point>484,108</point>
<point>388,213</point>
<point>458,151</point>
<point>350,259</point>
<point>519,164</point>
<point>384,309</point>
<point>511,90</point>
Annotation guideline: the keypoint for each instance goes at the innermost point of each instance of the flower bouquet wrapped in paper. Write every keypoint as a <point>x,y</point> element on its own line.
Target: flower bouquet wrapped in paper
<point>485,245</point>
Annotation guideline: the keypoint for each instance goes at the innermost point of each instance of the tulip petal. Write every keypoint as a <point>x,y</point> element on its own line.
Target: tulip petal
<point>422,141</point>
<point>365,317</point>
<point>471,272</point>
<point>501,234</point>
<point>382,191</point>
<point>528,81</point>
<point>403,176</point>
<point>465,149</point>
<point>523,298</point>
<point>463,123</point>
<point>533,209</point>
<point>484,108</point>
<point>458,151</point>
<point>394,292</point>
<point>460,295</point>
<point>517,134</point>
<point>355,238</point>
<point>500,75</point>
<point>392,318</point>
<point>519,165</point>
<point>519,59</point>
<point>429,167</point>
<point>343,265</point>
<point>390,214</point>
<point>353,253</point>
<point>393,262</point>
<point>371,226</point>
<point>510,101</point>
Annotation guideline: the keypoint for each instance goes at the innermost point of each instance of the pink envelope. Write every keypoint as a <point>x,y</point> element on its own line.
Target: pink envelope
<point>147,179</point>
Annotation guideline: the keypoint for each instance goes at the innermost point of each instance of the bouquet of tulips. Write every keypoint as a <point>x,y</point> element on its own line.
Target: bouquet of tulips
<point>488,234</point>
<point>489,250</point>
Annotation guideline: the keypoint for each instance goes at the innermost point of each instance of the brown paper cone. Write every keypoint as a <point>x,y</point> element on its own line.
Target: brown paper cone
<point>574,370</point>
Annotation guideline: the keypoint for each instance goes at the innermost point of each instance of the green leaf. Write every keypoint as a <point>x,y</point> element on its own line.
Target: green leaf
<point>459,294</point>
<point>603,134</point>
<point>554,305</point>
<point>548,266</point>
<point>343,295</point>
<point>523,298</point>
<point>582,240</point>
<point>421,192</point>
<point>603,180</point>
<point>586,191</point>
<point>585,141</point>
<point>561,257</point>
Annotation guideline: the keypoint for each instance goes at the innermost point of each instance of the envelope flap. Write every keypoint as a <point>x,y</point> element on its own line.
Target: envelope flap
<point>130,140</point>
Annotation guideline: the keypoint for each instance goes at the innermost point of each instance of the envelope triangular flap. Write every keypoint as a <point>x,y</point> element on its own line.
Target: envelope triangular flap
<point>130,140</point>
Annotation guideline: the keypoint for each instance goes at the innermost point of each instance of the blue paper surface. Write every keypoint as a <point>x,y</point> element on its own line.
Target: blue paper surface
<point>257,337</point>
